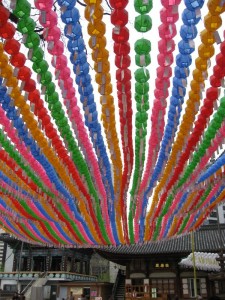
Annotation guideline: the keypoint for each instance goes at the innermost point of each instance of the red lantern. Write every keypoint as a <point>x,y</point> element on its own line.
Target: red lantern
<point>212,93</point>
<point>18,60</point>
<point>34,96</point>
<point>122,36</point>
<point>218,71</point>
<point>45,120</point>
<point>206,111</point>
<point>118,4</point>
<point>214,81</point>
<point>24,73</point>
<point>121,49</point>
<point>7,31</point>
<point>123,75</point>
<point>220,60</point>
<point>30,85</point>
<point>120,95</point>
<point>124,87</point>
<point>222,48</point>
<point>119,17</point>
<point>12,46</point>
<point>4,15</point>
<point>51,133</point>
<point>122,61</point>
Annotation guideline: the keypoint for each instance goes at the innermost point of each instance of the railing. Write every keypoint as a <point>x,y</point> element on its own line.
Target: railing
<point>52,276</point>
<point>115,286</point>
<point>41,281</point>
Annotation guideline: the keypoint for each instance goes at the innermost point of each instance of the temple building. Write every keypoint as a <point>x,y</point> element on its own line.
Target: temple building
<point>145,271</point>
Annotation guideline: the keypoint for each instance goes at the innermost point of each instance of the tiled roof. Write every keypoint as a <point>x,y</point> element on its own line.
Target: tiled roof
<point>207,239</point>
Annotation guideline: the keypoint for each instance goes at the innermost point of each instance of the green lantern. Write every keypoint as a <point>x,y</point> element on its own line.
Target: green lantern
<point>26,25</point>
<point>143,23</point>
<point>40,67</point>
<point>142,60</point>
<point>142,75</point>
<point>143,7</point>
<point>46,78</point>
<point>221,111</point>
<point>141,117</point>
<point>50,88</point>
<point>23,8</point>
<point>141,88</point>
<point>141,98</point>
<point>222,102</point>
<point>142,46</point>
<point>37,55</point>
<point>53,98</point>
<point>32,40</point>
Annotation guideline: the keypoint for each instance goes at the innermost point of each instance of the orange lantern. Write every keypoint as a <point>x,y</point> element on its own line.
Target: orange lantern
<point>207,37</point>
<point>212,23</point>
<point>201,64</point>
<point>215,7</point>
<point>205,51</point>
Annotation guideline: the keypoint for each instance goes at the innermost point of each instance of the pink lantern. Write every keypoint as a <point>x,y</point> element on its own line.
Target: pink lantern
<point>168,15</point>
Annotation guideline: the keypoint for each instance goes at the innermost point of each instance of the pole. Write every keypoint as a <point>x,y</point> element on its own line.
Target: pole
<point>19,266</point>
<point>194,265</point>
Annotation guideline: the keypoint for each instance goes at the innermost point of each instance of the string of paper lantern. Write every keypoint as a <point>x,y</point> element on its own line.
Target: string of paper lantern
<point>41,67</point>
<point>211,97</point>
<point>96,29</point>
<point>59,61</point>
<point>36,152</point>
<point>194,98</point>
<point>121,47</point>
<point>167,31</point>
<point>142,47</point>
<point>51,34</point>
<point>169,16</point>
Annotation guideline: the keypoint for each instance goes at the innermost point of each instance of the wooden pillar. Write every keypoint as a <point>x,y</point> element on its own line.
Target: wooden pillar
<point>48,262</point>
<point>128,269</point>
<point>29,261</point>
<point>178,283</point>
<point>14,268</point>
<point>73,264</point>
<point>64,262</point>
